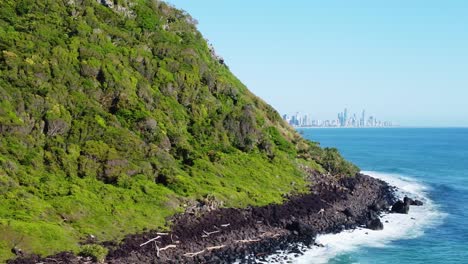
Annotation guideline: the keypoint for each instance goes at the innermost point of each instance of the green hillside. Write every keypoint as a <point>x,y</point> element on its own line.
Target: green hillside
<point>116,115</point>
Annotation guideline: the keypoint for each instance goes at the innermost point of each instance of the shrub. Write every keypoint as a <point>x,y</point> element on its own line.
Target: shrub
<point>96,252</point>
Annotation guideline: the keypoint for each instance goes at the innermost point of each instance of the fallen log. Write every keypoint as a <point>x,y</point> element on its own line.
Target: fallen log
<point>191,255</point>
<point>167,247</point>
<point>216,247</point>
<point>248,241</point>
<point>149,241</point>
<point>207,234</point>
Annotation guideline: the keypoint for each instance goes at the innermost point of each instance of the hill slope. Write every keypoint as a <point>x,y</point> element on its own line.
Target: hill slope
<point>116,115</point>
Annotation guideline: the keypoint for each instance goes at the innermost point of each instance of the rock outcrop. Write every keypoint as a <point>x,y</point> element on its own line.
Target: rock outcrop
<point>228,235</point>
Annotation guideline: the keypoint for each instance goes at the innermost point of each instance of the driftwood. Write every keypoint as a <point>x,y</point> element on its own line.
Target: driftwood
<point>157,248</point>
<point>149,241</point>
<point>207,234</point>
<point>191,255</point>
<point>226,225</point>
<point>167,247</point>
<point>269,234</point>
<point>248,241</point>
<point>214,248</point>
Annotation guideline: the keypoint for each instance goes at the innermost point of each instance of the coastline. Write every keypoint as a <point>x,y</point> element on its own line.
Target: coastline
<point>396,226</point>
<point>248,235</point>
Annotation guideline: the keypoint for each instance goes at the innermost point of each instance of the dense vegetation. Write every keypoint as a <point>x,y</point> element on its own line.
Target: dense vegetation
<point>114,115</point>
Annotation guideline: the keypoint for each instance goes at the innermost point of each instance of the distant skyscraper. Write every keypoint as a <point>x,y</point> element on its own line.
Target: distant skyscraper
<point>363,118</point>
<point>345,116</point>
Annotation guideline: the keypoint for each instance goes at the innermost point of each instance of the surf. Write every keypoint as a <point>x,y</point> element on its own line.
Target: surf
<point>396,226</point>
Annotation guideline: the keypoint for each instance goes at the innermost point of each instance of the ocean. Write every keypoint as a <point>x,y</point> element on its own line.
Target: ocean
<point>430,164</point>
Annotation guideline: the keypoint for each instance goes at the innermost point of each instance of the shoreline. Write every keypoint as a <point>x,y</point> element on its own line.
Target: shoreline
<point>230,235</point>
<point>397,227</point>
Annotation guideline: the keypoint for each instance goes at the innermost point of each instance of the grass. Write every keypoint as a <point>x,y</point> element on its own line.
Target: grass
<point>57,212</point>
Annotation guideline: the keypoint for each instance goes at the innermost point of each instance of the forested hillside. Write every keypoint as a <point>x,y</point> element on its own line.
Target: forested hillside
<point>115,115</point>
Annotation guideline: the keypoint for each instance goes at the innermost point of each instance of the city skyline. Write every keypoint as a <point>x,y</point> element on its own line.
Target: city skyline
<point>405,60</point>
<point>343,119</point>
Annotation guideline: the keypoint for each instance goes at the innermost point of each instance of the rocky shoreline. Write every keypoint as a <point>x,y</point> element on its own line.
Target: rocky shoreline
<point>247,235</point>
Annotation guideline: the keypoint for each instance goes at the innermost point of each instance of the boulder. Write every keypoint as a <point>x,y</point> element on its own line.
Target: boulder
<point>400,207</point>
<point>349,213</point>
<point>375,224</point>
<point>408,201</point>
<point>372,215</point>
<point>301,229</point>
<point>378,206</point>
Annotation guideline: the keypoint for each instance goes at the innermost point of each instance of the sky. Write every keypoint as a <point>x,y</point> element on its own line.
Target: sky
<point>402,61</point>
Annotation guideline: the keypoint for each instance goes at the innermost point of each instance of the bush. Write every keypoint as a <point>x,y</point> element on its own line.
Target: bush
<point>96,252</point>
<point>333,162</point>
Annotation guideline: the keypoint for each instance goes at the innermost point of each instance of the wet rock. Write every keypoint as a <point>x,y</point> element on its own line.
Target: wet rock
<point>400,207</point>
<point>375,224</point>
<point>408,201</point>
<point>417,203</point>
<point>378,206</point>
<point>372,215</point>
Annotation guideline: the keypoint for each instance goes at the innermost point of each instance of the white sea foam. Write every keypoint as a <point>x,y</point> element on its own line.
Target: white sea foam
<point>396,226</point>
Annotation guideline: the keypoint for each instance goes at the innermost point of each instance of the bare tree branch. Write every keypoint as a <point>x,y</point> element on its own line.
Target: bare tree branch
<point>207,234</point>
<point>149,241</point>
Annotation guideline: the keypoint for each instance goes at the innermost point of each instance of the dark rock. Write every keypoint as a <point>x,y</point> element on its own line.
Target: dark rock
<point>301,229</point>
<point>417,203</point>
<point>378,206</point>
<point>17,251</point>
<point>400,207</point>
<point>408,201</point>
<point>107,3</point>
<point>375,224</point>
<point>373,215</point>
<point>349,213</point>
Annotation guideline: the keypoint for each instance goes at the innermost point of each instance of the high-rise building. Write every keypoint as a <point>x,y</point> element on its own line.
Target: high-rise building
<point>345,116</point>
<point>363,118</point>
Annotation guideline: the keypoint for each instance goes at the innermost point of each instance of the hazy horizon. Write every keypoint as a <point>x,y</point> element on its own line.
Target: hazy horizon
<point>401,61</point>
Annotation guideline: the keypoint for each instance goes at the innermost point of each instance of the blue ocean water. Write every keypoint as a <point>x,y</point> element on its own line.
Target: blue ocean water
<point>435,158</point>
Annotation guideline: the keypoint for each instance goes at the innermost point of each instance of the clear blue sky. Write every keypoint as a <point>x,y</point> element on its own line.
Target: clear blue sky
<point>401,60</point>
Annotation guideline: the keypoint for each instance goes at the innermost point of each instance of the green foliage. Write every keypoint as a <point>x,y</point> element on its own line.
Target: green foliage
<point>333,162</point>
<point>111,119</point>
<point>96,252</point>
<point>280,141</point>
<point>7,114</point>
<point>146,17</point>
